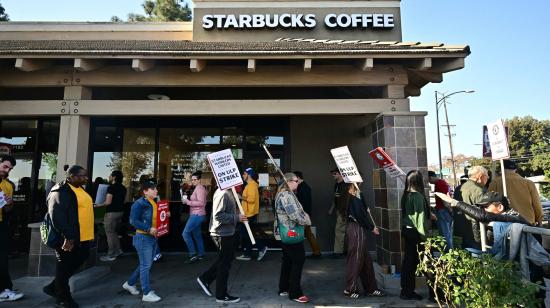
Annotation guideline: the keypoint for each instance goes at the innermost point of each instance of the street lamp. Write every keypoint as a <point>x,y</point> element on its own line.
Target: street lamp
<point>438,102</point>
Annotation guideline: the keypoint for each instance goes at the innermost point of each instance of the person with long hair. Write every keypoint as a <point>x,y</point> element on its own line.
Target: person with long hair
<point>415,217</point>
<point>114,203</point>
<point>358,262</point>
<point>197,215</point>
<point>290,214</point>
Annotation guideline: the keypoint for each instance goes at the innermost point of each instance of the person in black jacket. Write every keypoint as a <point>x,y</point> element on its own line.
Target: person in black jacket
<point>359,263</point>
<point>303,193</point>
<point>71,210</point>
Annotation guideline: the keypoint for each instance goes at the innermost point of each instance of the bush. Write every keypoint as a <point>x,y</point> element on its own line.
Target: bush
<point>467,281</point>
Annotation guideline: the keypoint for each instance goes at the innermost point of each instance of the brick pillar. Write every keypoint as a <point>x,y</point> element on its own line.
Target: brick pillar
<point>403,137</point>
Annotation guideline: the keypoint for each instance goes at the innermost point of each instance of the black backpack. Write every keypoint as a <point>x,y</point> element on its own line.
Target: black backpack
<point>50,236</point>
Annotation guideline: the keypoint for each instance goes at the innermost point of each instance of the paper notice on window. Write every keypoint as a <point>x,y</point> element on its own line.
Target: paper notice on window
<point>263,179</point>
<point>101,193</point>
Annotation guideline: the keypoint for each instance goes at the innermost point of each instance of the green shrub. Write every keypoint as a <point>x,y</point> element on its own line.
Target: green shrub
<point>473,282</point>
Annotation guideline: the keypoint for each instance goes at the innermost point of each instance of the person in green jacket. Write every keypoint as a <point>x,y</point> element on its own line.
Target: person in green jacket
<point>415,214</point>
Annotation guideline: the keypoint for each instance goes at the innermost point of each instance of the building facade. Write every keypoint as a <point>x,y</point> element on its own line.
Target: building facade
<point>153,99</point>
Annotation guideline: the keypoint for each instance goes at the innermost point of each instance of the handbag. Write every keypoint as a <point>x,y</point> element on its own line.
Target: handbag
<point>50,236</point>
<point>291,235</point>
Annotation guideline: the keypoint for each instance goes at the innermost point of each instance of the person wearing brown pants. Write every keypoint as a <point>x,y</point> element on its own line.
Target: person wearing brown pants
<point>303,193</point>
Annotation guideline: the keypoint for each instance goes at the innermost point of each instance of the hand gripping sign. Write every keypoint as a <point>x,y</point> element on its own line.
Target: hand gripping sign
<point>163,218</point>
<point>228,176</point>
<point>385,162</point>
<point>348,169</point>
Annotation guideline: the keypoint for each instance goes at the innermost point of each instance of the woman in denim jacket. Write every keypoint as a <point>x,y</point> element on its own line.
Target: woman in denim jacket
<point>143,218</point>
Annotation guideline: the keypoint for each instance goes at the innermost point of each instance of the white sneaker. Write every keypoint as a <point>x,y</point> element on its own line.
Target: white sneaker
<point>132,289</point>
<point>151,297</point>
<point>10,295</point>
<point>261,254</point>
<point>107,258</point>
<point>243,258</point>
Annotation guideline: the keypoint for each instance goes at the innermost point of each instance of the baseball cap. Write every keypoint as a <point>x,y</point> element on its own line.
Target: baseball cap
<point>250,171</point>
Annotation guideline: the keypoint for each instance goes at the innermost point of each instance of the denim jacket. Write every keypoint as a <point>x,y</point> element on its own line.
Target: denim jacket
<point>141,214</point>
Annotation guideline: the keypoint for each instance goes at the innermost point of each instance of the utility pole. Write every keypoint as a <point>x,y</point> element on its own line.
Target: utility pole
<point>450,140</point>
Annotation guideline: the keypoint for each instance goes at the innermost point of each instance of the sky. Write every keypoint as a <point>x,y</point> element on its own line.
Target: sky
<point>508,68</point>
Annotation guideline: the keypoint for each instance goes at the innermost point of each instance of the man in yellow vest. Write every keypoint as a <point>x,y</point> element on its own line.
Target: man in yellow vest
<point>7,293</point>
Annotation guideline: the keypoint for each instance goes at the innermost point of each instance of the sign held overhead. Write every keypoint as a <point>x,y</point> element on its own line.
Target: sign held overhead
<point>498,140</point>
<point>225,169</point>
<point>346,165</point>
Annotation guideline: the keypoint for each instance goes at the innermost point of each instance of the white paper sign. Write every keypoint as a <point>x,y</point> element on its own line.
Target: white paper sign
<point>263,179</point>
<point>498,140</point>
<point>101,193</point>
<point>225,169</point>
<point>346,165</point>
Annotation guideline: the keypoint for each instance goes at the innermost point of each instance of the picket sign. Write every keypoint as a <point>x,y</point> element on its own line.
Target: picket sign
<point>498,141</point>
<point>163,221</point>
<point>227,175</point>
<point>348,170</point>
<point>385,162</point>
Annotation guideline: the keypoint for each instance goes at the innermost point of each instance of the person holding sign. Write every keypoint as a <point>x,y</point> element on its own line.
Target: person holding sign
<point>359,263</point>
<point>197,215</point>
<point>222,230</point>
<point>7,293</point>
<point>291,219</point>
<point>415,217</point>
<point>340,205</point>
<point>143,218</point>
<point>522,193</point>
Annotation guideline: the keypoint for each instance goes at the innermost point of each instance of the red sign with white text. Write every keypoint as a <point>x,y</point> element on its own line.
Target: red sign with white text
<point>163,218</point>
<point>385,162</point>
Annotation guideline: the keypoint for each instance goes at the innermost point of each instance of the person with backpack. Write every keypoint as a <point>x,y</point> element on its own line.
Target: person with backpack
<point>291,219</point>
<point>71,211</point>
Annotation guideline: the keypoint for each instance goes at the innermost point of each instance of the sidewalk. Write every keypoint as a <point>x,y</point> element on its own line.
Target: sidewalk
<point>255,282</point>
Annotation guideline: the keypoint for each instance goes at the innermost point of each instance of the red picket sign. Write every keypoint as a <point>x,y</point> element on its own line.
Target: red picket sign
<point>163,218</point>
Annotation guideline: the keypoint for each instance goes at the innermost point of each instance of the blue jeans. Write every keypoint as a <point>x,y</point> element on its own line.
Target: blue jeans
<point>445,226</point>
<point>500,232</point>
<point>193,231</point>
<point>145,247</point>
<point>247,244</point>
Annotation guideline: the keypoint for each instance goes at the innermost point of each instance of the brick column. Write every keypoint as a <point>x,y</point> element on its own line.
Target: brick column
<point>403,137</point>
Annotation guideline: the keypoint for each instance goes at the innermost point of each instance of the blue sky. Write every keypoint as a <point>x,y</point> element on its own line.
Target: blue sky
<point>508,68</point>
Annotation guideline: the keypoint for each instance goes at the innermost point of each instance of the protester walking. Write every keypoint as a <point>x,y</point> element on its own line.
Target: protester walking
<point>415,216</point>
<point>143,217</point>
<point>71,210</point>
<point>359,263</point>
<point>7,163</point>
<point>291,219</point>
<point>304,197</point>
<point>522,193</point>
<point>197,215</point>
<point>223,221</point>
<point>114,203</point>
<point>340,206</point>
<point>444,215</point>
<point>251,207</point>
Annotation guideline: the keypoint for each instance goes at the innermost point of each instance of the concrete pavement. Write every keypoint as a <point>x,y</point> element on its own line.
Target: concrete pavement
<point>255,282</point>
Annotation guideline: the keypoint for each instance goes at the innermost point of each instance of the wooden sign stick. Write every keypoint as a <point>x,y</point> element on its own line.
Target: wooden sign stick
<point>246,224</point>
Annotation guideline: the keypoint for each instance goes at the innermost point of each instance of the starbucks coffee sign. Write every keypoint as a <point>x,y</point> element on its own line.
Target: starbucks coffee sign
<point>297,21</point>
<point>268,20</point>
